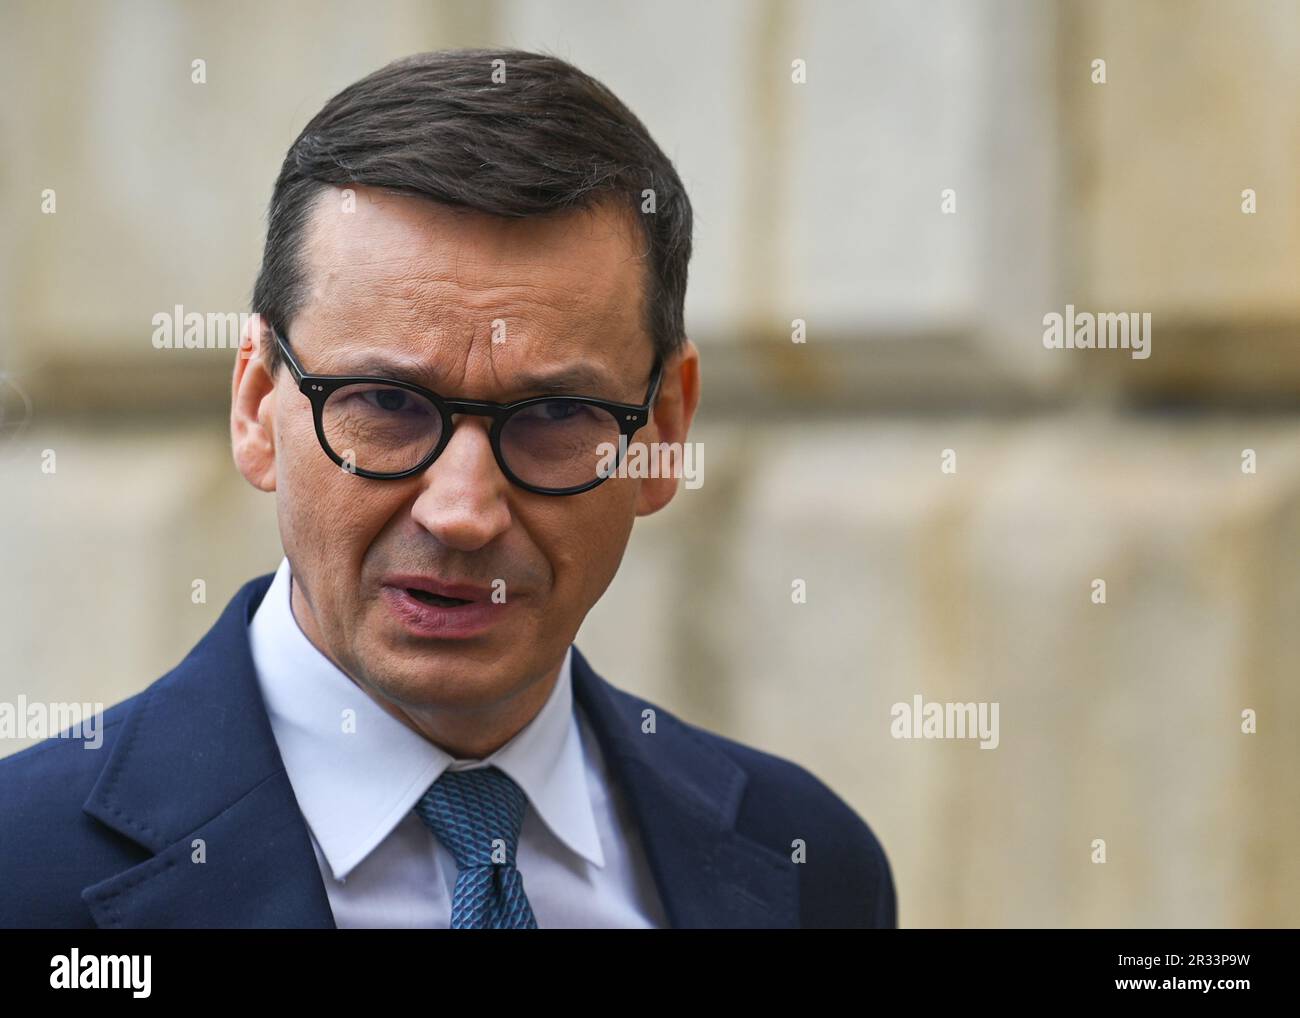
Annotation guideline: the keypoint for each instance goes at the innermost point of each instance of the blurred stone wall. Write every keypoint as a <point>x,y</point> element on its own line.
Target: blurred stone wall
<point>818,201</point>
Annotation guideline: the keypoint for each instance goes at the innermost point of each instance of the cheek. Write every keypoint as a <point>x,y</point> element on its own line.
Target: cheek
<point>585,542</point>
<point>305,482</point>
<point>297,450</point>
<point>327,517</point>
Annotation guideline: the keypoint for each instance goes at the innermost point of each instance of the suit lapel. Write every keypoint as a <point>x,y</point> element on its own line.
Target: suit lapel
<point>685,795</point>
<point>196,778</point>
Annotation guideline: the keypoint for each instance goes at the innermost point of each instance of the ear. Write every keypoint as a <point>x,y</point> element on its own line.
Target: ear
<point>670,420</point>
<point>252,409</point>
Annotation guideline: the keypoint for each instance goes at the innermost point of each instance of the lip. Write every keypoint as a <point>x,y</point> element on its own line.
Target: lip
<point>456,622</point>
<point>464,590</point>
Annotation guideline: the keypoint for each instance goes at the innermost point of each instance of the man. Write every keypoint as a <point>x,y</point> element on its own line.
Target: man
<point>472,291</point>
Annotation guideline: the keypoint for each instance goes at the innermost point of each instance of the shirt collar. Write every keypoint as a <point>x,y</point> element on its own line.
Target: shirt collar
<point>357,771</point>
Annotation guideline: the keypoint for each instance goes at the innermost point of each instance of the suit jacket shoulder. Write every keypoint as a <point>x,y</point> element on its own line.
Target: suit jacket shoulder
<point>42,789</point>
<point>856,880</point>
<point>844,876</point>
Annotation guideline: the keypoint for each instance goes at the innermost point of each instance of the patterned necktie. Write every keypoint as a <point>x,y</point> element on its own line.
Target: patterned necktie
<point>477,814</point>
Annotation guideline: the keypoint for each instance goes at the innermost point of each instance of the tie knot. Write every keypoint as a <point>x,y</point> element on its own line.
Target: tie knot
<point>476,814</point>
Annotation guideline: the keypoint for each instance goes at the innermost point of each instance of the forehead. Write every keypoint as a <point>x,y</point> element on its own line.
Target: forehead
<point>410,273</point>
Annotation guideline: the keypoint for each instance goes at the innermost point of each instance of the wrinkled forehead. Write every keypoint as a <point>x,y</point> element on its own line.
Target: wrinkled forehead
<point>410,271</point>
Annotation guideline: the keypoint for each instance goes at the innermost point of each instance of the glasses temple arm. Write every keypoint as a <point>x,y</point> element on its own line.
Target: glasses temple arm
<point>654,383</point>
<point>295,368</point>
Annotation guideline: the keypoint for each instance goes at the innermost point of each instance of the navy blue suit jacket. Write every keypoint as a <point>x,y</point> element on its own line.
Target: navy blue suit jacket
<point>103,837</point>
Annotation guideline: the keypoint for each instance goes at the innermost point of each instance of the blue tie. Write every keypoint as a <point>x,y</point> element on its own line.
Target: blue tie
<point>477,814</point>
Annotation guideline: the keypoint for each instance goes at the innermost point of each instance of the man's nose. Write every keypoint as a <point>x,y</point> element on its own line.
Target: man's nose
<point>463,498</point>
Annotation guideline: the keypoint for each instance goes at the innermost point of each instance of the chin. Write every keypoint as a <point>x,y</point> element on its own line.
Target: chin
<point>443,685</point>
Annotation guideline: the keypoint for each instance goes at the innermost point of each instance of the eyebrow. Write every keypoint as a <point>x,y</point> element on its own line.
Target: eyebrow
<point>570,380</point>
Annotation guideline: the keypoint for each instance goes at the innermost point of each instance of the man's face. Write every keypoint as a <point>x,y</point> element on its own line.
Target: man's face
<point>424,284</point>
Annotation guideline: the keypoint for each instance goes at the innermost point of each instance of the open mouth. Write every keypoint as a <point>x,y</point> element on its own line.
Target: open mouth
<point>436,599</point>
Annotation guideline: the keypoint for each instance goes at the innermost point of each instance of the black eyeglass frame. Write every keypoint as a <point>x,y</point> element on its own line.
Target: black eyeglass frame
<point>630,418</point>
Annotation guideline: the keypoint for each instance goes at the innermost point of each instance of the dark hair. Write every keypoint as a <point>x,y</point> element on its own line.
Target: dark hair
<point>548,139</point>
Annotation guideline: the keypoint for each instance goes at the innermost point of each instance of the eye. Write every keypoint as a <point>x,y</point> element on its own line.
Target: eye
<point>561,410</point>
<point>389,399</point>
<point>553,411</point>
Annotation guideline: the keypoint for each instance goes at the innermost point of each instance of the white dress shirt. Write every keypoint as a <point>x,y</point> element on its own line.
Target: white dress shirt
<point>358,772</point>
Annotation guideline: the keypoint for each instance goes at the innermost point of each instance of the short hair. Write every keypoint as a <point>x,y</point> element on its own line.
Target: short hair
<point>548,139</point>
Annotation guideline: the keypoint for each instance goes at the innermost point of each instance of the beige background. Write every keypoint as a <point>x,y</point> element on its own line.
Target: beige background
<point>816,201</point>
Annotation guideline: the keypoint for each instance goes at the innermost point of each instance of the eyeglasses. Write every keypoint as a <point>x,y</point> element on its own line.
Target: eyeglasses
<point>387,428</point>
